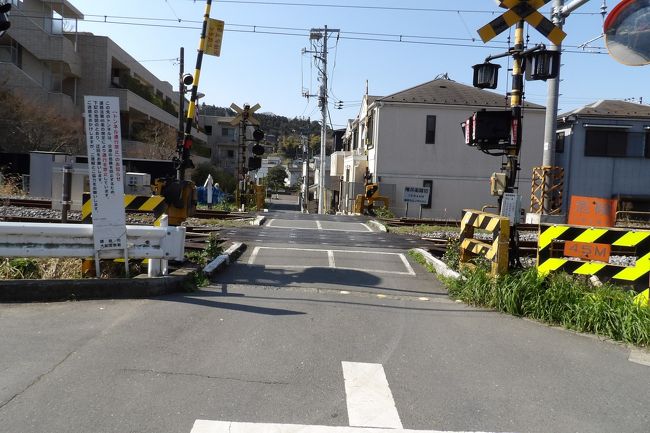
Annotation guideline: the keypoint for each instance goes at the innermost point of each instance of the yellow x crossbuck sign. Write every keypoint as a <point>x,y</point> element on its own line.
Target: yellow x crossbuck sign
<point>245,114</point>
<point>522,10</point>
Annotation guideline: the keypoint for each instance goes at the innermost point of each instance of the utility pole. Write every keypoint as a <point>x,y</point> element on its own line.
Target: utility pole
<point>318,34</point>
<point>305,168</point>
<point>181,91</point>
<point>559,13</point>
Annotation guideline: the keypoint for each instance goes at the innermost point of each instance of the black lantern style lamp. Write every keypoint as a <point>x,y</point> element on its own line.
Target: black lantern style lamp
<point>486,75</point>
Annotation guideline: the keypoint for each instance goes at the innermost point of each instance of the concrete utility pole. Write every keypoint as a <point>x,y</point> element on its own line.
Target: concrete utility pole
<point>318,34</point>
<point>559,13</point>
<point>181,91</point>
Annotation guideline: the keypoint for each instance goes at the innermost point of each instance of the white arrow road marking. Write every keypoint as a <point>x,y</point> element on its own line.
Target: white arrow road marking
<point>370,402</point>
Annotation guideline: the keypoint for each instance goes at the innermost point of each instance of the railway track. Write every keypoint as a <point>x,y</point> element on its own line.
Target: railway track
<point>441,223</point>
<point>47,204</point>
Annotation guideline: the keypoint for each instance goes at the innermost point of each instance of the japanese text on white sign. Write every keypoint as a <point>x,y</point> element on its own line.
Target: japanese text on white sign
<point>415,194</point>
<point>104,143</point>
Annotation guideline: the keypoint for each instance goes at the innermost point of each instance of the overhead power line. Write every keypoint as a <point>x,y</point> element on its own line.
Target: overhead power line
<point>378,8</point>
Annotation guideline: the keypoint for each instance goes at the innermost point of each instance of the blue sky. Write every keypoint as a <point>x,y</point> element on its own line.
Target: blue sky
<point>269,68</point>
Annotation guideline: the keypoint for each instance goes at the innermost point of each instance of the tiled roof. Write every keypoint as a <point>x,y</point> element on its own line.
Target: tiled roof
<point>448,92</point>
<point>611,108</point>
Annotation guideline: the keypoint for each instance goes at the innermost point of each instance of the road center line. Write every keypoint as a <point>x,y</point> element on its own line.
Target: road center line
<point>369,400</point>
<point>318,225</point>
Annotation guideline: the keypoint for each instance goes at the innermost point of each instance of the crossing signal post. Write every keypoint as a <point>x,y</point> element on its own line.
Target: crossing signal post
<point>244,118</point>
<point>489,132</point>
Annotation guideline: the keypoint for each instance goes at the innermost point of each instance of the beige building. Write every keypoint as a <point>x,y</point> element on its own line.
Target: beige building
<point>44,58</point>
<point>223,141</point>
<point>413,138</point>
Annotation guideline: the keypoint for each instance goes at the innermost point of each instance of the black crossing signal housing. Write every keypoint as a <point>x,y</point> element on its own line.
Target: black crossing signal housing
<point>258,135</point>
<point>258,150</point>
<point>187,80</point>
<point>4,19</point>
<point>254,163</point>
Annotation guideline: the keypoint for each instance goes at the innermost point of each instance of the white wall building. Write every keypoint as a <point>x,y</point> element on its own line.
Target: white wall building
<point>414,138</point>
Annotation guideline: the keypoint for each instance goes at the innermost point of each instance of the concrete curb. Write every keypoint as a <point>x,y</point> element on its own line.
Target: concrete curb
<point>228,256</point>
<point>94,288</point>
<point>181,280</point>
<point>440,266</point>
<point>258,221</point>
<point>380,226</point>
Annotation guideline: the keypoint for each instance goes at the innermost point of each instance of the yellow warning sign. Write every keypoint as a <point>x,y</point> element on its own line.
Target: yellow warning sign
<point>642,298</point>
<point>213,37</point>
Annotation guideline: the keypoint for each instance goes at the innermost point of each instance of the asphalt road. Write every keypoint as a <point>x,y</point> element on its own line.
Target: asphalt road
<point>314,334</point>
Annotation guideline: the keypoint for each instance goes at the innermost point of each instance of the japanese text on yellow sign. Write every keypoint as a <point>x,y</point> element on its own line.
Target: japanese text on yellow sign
<point>214,37</point>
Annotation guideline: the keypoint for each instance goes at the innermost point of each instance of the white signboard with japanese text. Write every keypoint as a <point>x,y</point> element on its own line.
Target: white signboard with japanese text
<point>511,207</point>
<point>416,194</point>
<point>104,142</point>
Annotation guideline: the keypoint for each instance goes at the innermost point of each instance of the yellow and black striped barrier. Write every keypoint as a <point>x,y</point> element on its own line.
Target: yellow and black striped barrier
<point>496,251</point>
<point>139,203</point>
<point>580,250</point>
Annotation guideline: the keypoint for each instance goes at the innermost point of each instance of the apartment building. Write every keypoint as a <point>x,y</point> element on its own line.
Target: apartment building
<point>38,59</point>
<point>46,59</point>
<point>223,140</point>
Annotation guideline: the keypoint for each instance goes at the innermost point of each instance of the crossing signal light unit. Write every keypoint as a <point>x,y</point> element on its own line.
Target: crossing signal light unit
<point>188,80</point>
<point>488,130</point>
<point>254,163</point>
<point>4,19</point>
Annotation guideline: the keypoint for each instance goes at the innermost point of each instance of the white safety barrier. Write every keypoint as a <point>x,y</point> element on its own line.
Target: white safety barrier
<point>76,240</point>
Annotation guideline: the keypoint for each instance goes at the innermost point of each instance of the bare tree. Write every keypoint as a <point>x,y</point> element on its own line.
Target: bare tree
<point>27,126</point>
<point>159,139</point>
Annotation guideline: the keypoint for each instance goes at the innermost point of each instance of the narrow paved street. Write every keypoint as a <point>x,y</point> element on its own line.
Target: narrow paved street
<point>323,322</point>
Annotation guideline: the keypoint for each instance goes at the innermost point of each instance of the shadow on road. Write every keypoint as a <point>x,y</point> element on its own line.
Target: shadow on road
<point>261,275</point>
<point>199,298</point>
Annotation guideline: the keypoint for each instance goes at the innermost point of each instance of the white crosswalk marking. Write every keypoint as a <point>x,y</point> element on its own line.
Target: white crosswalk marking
<point>371,409</point>
<point>370,402</point>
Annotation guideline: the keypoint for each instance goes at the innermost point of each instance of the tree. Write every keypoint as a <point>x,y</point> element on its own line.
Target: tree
<point>160,139</point>
<point>27,126</point>
<point>226,181</point>
<point>276,177</point>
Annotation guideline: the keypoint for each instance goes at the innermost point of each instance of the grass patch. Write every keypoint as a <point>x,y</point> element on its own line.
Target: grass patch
<point>558,299</point>
<point>421,260</point>
<point>37,269</point>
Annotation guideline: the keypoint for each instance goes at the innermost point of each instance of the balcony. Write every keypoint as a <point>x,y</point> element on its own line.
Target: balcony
<point>43,45</point>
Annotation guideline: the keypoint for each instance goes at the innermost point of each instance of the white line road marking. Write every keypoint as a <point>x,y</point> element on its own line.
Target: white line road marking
<point>318,225</point>
<point>336,251</point>
<point>270,223</point>
<point>324,230</point>
<point>407,264</point>
<point>204,426</point>
<point>366,226</point>
<point>251,259</point>
<point>370,402</point>
<point>338,268</point>
<point>330,259</point>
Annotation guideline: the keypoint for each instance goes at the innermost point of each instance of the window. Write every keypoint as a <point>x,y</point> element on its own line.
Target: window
<point>604,142</point>
<point>11,52</point>
<point>646,152</point>
<point>225,132</point>
<point>208,129</point>
<point>231,154</point>
<point>431,130</point>
<point>369,133</point>
<point>559,142</point>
